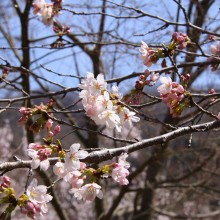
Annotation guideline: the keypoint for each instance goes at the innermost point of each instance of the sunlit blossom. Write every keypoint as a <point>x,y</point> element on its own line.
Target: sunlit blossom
<point>72,158</point>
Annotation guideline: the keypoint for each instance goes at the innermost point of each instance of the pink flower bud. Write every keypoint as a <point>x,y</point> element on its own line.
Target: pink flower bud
<point>30,207</point>
<point>147,82</point>
<point>82,166</point>
<point>146,72</point>
<point>24,210</point>
<point>56,130</point>
<point>175,34</point>
<point>142,77</point>
<point>23,110</point>
<point>6,179</point>
<point>211,37</point>
<point>50,134</point>
<point>37,207</point>
<point>49,123</point>
<point>180,39</point>
<point>212,91</point>
<point>187,76</point>
<point>4,185</point>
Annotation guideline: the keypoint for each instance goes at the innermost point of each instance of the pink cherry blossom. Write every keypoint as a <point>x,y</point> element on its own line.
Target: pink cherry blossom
<point>166,86</point>
<point>173,94</point>
<point>101,105</point>
<point>120,170</point>
<point>59,169</point>
<point>38,199</point>
<point>127,116</point>
<point>74,179</point>
<point>119,174</point>
<point>149,55</point>
<point>5,183</point>
<point>38,5</point>
<point>39,154</point>
<point>38,193</point>
<point>45,10</point>
<point>92,85</point>
<point>90,191</point>
<point>31,209</point>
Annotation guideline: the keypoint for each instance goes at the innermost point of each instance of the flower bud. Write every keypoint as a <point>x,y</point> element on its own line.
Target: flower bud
<point>49,123</point>
<point>56,130</point>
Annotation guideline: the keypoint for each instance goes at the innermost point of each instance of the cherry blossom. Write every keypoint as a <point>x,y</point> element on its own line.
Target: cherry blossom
<point>101,105</point>
<point>72,158</point>
<point>49,123</point>
<point>37,194</point>
<point>120,170</point>
<point>166,86</point>
<point>149,55</point>
<point>127,116</point>
<point>47,10</point>
<point>31,209</point>
<point>37,200</point>
<point>92,85</point>
<point>26,112</point>
<point>174,95</point>
<point>119,174</point>
<point>39,155</point>
<point>43,9</point>
<point>74,179</point>
<point>110,118</point>
<point>5,183</point>
<point>59,169</point>
<point>88,192</point>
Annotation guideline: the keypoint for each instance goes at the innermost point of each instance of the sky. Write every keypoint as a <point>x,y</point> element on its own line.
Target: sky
<point>72,61</point>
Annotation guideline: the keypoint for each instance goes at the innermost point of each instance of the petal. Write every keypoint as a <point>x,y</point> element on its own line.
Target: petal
<point>99,194</point>
<point>32,153</point>
<point>82,154</point>
<point>35,163</point>
<point>42,189</point>
<point>74,148</point>
<point>44,165</point>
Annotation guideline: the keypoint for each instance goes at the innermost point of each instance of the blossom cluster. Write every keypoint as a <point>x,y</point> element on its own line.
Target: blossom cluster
<point>102,106</point>
<point>31,203</point>
<point>152,55</point>
<point>69,167</point>
<point>143,79</point>
<point>40,153</point>
<point>174,95</point>
<point>47,10</point>
<point>179,40</point>
<point>30,114</point>
<point>83,179</point>
<point>36,201</point>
